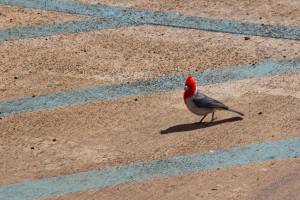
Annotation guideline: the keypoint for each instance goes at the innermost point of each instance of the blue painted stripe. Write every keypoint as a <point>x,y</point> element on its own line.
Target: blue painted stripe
<point>227,26</point>
<point>160,84</point>
<point>67,7</point>
<point>152,169</point>
<point>61,28</point>
<point>137,16</point>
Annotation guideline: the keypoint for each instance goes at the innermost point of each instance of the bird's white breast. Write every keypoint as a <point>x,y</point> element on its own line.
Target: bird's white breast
<point>195,109</point>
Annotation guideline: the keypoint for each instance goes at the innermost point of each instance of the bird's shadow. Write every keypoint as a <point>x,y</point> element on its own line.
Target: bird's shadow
<point>197,125</point>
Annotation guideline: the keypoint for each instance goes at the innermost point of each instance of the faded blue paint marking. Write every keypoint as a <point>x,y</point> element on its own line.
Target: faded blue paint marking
<point>152,169</point>
<point>137,17</point>
<point>160,84</point>
<point>227,26</point>
<point>61,28</point>
<point>67,7</point>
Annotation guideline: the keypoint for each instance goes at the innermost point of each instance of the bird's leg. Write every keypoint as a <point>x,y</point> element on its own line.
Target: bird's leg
<point>202,118</point>
<point>212,117</point>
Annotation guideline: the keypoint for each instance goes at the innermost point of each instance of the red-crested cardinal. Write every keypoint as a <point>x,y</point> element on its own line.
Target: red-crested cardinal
<point>201,104</point>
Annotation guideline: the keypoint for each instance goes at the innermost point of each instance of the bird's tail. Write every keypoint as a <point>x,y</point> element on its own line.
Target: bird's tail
<point>229,109</point>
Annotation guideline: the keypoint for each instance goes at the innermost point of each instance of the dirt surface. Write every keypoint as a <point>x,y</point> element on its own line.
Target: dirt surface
<point>84,137</point>
<point>126,130</point>
<point>278,12</point>
<point>286,187</point>
<point>81,60</point>
<point>255,178</point>
<point>13,16</point>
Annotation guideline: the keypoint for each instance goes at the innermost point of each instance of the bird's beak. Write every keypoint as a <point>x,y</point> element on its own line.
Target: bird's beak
<point>186,88</point>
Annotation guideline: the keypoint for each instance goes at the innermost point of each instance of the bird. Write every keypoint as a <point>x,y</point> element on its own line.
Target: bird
<point>199,103</point>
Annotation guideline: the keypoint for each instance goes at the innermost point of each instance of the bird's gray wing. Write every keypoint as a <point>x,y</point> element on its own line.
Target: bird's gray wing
<point>204,101</point>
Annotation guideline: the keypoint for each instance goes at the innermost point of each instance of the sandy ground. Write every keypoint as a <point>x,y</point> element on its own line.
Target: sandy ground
<point>278,12</point>
<point>115,132</point>
<point>83,60</point>
<point>13,16</point>
<point>123,131</point>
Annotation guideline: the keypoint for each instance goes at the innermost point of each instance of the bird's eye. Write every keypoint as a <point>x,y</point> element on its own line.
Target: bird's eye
<point>186,87</point>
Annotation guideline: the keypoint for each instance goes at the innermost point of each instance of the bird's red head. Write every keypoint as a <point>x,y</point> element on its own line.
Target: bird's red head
<point>190,87</point>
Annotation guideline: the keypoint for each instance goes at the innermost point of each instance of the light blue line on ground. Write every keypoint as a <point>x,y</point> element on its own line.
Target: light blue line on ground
<point>160,84</point>
<point>152,169</point>
<point>68,7</point>
<point>61,28</point>
<point>137,17</point>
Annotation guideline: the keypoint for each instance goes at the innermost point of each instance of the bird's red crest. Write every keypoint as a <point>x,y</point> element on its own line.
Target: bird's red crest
<point>192,87</point>
<point>190,81</point>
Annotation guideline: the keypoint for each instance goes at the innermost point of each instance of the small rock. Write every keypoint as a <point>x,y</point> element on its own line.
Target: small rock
<point>32,148</point>
<point>54,140</point>
<point>260,113</point>
<point>214,189</point>
<point>33,96</point>
<point>247,38</point>
<point>16,77</point>
<point>284,56</point>
<point>265,170</point>
<point>136,99</point>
